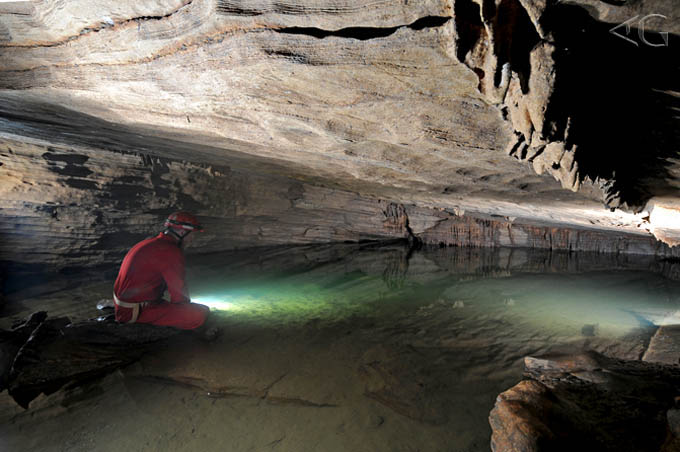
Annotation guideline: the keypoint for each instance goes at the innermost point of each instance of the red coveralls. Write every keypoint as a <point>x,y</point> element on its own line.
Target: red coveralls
<point>147,270</point>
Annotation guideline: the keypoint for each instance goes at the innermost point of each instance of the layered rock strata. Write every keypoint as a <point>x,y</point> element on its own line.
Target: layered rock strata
<point>66,207</point>
<point>460,230</point>
<point>62,207</point>
<point>412,102</point>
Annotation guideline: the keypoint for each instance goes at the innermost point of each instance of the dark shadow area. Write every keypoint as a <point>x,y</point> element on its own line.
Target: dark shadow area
<point>364,33</point>
<point>469,27</point>
<point>624,118</point>
<point>23,281</point>
<point>515,37</point>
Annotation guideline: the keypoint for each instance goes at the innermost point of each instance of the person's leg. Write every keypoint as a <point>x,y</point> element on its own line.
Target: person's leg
<point>186,316</point>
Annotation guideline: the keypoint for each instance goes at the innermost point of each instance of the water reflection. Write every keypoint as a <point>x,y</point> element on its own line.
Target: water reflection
<point>594,294</point>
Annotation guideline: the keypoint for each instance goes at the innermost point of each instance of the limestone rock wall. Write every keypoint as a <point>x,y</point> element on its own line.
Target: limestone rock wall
<point>73,207</point>
<point>390,90</point>
<point>450,229</point>
<point>584,97</point>
<point>355,102</point>
<point>65,207</point>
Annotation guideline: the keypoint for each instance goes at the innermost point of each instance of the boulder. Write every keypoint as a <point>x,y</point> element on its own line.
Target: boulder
<point>588,402</point>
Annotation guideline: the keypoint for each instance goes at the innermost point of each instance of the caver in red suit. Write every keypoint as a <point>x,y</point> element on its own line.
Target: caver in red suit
<point>152,266</point>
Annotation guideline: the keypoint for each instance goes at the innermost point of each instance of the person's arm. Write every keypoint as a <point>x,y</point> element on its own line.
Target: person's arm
<point>173,274</point>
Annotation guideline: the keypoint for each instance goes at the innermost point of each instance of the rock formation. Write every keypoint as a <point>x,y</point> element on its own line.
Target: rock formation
<point>73,206</point>
<point>530,58</point>
<point>304,121</point>
<point>588,402</point>
<point>42,355</point>
<point>77,207</point>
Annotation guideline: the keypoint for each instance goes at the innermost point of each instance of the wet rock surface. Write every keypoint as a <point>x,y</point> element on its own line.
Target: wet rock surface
<point>588,402</point>
<point>467,123</point>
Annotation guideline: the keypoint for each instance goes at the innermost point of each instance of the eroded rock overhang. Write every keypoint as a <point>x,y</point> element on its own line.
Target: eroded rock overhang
<point>418,102</point>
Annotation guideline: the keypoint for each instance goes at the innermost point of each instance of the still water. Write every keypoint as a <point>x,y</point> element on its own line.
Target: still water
<point>361,348</point>
<point>588,294</point>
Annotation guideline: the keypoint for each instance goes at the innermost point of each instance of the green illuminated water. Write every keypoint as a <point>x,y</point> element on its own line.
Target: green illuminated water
<point>593,297</point>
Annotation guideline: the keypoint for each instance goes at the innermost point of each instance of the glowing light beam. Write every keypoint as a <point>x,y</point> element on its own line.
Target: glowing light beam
<point>219,304</point>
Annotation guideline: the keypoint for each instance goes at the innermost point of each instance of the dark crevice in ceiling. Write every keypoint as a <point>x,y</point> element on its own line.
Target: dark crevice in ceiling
<point>589,106</point>
<point>365,33</point>
<point>619,98</point>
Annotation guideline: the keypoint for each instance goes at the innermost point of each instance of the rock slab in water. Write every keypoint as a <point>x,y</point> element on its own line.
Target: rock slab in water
<point>588,402</point>
<point>664,348</point>
<point>42,355</point>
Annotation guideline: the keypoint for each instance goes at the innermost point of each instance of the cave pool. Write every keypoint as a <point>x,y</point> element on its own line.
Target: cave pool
<point>353,347</point>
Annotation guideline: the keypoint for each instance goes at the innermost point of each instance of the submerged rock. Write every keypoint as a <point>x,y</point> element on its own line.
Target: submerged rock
<point>395,378</point>
<point>589,330</point>
<point>664,346</point>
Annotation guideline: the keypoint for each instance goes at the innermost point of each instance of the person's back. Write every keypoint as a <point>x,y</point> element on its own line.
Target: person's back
<point>149,268</point>
<point>146,267</point>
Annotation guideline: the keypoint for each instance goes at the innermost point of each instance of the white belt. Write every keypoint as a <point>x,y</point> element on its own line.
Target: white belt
<point>136,307</point>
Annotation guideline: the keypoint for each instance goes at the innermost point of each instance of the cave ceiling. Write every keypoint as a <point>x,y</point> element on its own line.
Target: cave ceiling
<point>517,108</point>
